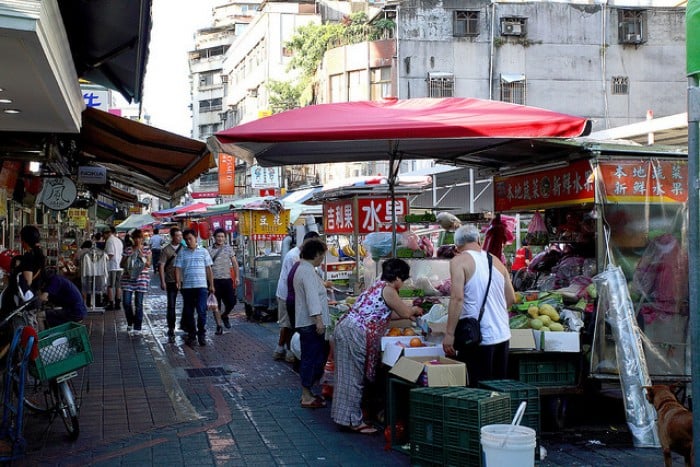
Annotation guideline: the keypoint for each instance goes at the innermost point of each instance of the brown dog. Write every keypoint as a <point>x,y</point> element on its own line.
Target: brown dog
<point>675,424</point>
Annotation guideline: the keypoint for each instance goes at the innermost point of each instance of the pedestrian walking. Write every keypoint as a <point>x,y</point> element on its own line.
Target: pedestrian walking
<point>166,269</point>
<point>225,271</point>
<point>136,279</point>
<point>284,320</point>
<point>194,277</point>
<point>114,249</point>
<point>156,244</point>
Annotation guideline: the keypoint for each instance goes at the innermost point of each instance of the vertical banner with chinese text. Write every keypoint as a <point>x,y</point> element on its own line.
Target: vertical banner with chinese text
<point>227,172</point>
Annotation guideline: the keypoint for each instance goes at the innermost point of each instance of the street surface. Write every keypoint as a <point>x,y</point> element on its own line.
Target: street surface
<point>150,402</point>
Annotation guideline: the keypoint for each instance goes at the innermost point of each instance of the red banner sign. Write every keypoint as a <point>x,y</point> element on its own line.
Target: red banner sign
<point>227,172</point>
<point>548,188</point>
<point>224,221</point>
<point>646,181</point>
<point>204,194</point>
<point>374,215</point>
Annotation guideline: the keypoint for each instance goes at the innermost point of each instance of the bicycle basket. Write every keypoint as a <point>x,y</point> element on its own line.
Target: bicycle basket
<point>62,349</point>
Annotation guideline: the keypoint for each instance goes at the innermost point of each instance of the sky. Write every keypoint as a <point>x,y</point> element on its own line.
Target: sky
<point>166,93</point>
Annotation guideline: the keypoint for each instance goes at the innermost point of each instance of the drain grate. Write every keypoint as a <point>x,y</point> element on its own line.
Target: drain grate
<point>205,372</point>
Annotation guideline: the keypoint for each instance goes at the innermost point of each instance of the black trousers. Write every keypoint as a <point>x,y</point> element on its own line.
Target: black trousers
<point>486,362</point>
<point>225,293</point>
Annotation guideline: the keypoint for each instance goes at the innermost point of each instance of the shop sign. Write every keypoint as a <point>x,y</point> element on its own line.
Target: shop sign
<point>78,217</point>
<point>227,173</point>
<point>92,175</point>
<point>645,181</point>
<point>268,237</point>
<point>374,215</point>
<point>267,192</point>
<point>58,193</point>
<point>261,222</point>
<point>264,177</point>
<point>545,189</point>
<point>204,194</point>
<point>226,222</point>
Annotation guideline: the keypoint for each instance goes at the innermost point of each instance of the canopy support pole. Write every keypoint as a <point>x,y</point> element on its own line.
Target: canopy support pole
<point>394,166</point>
<point>694,241</point>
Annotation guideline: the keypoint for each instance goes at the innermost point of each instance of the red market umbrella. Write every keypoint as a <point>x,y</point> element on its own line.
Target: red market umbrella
<point>170,212</point>
<point>464,131</point>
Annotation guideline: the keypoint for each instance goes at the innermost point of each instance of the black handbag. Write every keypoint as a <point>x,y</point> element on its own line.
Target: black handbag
<point>468,330</point>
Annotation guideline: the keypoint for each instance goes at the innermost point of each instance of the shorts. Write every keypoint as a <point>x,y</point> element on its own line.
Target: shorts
<point>115,278</point>
<point>282,315</point>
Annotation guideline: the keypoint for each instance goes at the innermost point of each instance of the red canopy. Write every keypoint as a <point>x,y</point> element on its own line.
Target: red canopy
<point>445,129</point>
<point>171,212</point>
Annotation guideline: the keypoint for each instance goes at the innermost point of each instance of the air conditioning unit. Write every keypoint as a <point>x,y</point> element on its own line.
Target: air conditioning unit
<point>633,38</point>
<point>511,28</point>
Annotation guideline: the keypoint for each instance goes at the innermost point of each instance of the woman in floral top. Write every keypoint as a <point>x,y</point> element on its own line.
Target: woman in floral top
<point>357,338</point>
<point>134,287</point>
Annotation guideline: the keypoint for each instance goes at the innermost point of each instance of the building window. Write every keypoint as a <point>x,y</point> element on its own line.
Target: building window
<point>208,78</point>
<point>208,130</point>
<point>513,88</point>
<point>441,84</point>
<point>357,84</point>
<point>632,26</point>
<point>380,83</point>
<point>335,82</point>
<point>466,23</point>
<point>620,85</point>
<point>513,26</point>
<point>210,105</point>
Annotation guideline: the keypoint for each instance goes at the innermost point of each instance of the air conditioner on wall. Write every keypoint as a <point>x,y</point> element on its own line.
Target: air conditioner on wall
<point>633,38</point>
<point>511,28</point>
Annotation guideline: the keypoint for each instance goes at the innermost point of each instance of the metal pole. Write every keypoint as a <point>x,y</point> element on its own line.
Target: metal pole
<point>693,244</point>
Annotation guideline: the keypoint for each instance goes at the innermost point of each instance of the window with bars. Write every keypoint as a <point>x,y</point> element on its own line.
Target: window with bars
<point>465,23</point>
<point>441,84</point>
<point>632,26</point>
<point>380,83</point>
<point>620,85</point>
<point>210,105</point>
<point>513,90</point>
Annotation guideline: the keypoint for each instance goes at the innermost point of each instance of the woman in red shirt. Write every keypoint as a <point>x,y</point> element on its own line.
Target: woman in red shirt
<point>522,258</point>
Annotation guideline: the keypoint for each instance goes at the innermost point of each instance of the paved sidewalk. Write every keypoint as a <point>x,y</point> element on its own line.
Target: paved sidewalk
<point>148,405</point>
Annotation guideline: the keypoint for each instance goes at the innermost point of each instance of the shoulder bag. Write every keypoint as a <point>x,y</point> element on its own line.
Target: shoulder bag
<point>468,330</point>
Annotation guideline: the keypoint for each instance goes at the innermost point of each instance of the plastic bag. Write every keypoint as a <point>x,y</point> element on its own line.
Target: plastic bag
<point>212,303</point>
<point>378,243</point>
<point>537,231</point>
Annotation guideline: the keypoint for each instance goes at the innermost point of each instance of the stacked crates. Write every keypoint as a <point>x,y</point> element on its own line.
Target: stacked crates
<point>548,370</point>
<point>446,424</point>
<point>520,392</point>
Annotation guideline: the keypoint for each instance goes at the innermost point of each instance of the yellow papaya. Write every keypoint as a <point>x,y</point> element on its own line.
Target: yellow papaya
<point>556,327</point>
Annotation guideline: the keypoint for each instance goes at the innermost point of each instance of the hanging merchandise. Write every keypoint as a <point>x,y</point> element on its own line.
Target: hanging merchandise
<point>537,231</point>
<point>496,236</point>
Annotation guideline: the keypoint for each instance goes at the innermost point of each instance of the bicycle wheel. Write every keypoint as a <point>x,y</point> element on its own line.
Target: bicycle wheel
<point>68,409</point>
<point>36,395</point>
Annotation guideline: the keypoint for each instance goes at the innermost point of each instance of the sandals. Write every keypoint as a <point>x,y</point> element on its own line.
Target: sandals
<point>363,429</point>
<point>317,403</point>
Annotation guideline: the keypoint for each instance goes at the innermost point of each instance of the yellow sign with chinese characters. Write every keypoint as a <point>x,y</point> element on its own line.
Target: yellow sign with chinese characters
<point>78,217</point>
<point>260,222</point>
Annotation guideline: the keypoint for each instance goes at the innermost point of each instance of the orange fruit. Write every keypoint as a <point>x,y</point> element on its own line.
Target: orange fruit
<point>394,332</point>
<point>416,342</point>
<point>409,332</point>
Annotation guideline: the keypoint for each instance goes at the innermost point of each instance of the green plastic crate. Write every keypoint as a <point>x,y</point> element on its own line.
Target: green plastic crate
<point>428,402</point>
<point>519,392</point>
<point>58,358</point>
<point>475,408</point>
<point>547,371</point>
<point>425,454</point>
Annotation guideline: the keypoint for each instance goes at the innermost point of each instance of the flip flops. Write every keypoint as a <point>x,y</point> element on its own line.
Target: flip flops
<point>363,429</point>
<point>317,403</point>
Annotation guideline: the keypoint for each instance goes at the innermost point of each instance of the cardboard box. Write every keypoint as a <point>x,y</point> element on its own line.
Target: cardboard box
<point>386,340</point>
<point>557,341</point>
<point>394,350</point>
<point>562,342</point>
<point>447,372</point>
<point>522,339</point>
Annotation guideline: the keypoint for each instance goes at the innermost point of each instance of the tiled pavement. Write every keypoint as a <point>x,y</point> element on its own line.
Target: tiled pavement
<point>141,406</point>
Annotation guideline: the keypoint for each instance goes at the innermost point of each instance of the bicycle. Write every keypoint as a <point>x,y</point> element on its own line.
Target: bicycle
<point>62,350</point>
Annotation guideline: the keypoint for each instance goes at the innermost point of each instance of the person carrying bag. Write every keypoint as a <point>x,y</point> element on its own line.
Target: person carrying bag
<point>468,330</point>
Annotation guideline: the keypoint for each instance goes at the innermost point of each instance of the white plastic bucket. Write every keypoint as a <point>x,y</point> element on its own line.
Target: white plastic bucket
<point>508,445</point>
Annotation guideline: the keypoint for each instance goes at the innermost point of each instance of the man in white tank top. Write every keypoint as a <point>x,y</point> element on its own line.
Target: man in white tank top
<point>469,273</point>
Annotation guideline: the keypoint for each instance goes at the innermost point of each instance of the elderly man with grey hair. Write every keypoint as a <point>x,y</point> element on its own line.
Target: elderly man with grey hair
<point>469,272</point>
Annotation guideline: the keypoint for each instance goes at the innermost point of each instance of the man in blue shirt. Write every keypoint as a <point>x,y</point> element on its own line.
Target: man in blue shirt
<point>193,277</point>
<point>62,293</point>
